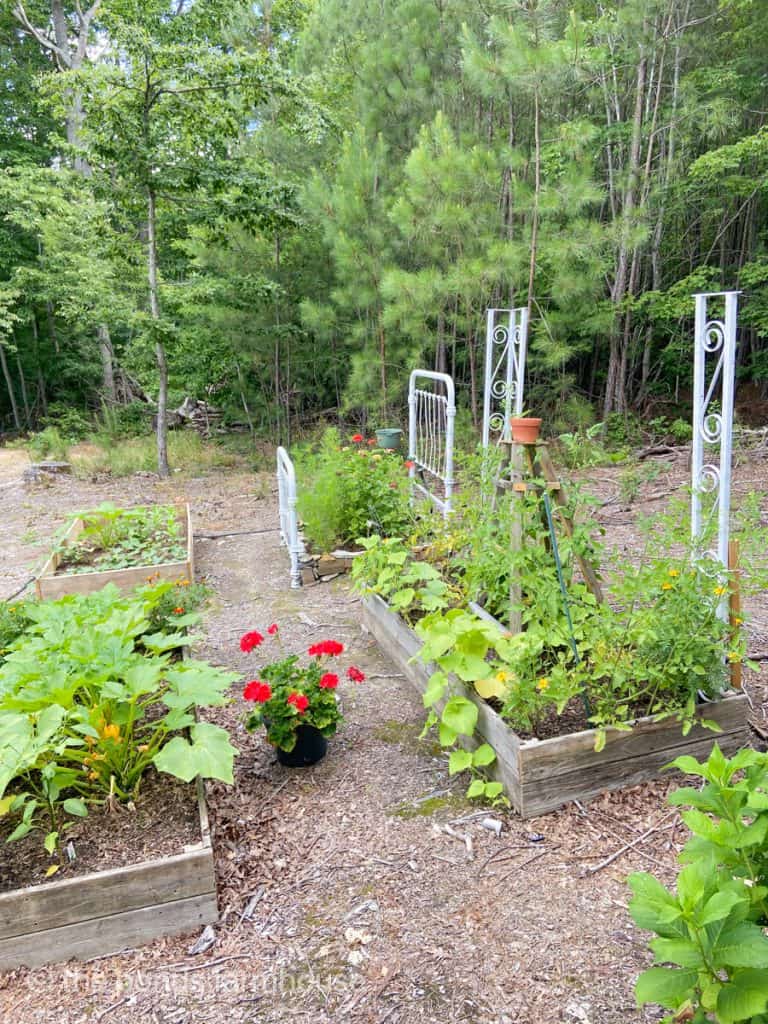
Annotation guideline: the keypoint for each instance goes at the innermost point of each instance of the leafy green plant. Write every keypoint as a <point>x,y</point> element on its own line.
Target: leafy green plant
<point>117,538</point>
<point>711,927</point>
<point>14,619</point>
<point>581,449</point>
<point>290,694</point>
<point>351,491</point>
<point>388,568</point>
<point>113,699</point>
<point>48,444</point>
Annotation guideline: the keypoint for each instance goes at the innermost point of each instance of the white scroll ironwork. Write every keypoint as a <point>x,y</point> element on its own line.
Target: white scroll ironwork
<point>289,520</point>
<point>714,373</point>
<point>506,343</point>
<point>431,421</point>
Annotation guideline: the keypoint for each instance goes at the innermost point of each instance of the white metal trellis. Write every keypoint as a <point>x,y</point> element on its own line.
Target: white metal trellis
<point>289,520</point>
<point>431,420</point>
<point>713,419</point>
<point>506,343</point>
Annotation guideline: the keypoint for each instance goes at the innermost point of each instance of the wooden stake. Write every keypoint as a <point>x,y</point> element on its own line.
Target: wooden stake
<point>516,536</point>
<point>734,606</point>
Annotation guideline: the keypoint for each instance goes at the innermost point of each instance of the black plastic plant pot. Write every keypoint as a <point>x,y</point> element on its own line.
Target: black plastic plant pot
<point>311,747</point>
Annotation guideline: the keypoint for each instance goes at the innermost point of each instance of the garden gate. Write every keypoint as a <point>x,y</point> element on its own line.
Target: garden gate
<point>431,417</point>
<point>713,420</point>
<point>506,343</point>
<point>289,520</point>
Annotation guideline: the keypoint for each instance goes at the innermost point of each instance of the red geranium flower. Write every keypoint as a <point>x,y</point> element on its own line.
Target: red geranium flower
<point>356,438</point>
<point>410,464</point>
<point>250,640</point>
<point>272,629</point>
<point>355,674</point>
<point>371,441</point>
<point>258,691</point>
<point>299,701</point>
<point>330,647</point>
<point>329,681</point>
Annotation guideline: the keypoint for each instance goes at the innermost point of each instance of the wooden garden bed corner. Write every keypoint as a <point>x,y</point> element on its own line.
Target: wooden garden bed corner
<point>50,586</point>
<point>107,911</point>
<point>542,775</point>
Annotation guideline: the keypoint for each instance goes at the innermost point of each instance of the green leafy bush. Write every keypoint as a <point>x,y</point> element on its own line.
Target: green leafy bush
<point>711,928</point>
<point>116,538</point>
<point>351,491</point>
<point>90,698</point>
<point>48,444</point>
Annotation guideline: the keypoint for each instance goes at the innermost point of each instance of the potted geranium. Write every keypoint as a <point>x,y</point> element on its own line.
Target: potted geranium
<point>294,701</point>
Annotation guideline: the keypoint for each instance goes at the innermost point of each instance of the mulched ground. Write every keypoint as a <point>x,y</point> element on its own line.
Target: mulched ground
<point>364,889</point>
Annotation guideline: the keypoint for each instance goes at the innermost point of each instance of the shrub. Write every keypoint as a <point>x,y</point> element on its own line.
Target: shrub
<point>351,491</point>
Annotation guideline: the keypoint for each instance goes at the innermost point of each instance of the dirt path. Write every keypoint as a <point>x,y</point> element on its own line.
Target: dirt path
<point>362,908</point>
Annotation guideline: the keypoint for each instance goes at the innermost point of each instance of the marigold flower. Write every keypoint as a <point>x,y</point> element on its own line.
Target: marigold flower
<point>299,700</point>
<point>250,640</point>
<point>330,647</point>
<point>356,438</point>
<point>355,674</point>
<point>542,684</point>
<point>666,586</point>
<point>178,611</point>
<point>272,630</point>
<point>258,691</point>
<point>329,681</point>
<point>111,732</point>
<point>674,572</point>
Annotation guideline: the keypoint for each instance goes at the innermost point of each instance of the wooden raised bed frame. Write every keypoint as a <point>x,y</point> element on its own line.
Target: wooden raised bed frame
<point>542,775</point>
<point>107,911</point>
<point>50,586</point>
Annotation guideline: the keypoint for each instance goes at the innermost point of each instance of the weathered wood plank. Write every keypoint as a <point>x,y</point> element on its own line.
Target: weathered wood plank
<point>100,936</point>
<point>41,908</point>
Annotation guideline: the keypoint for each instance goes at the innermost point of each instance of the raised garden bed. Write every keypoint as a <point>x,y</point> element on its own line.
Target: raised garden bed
<point>53,582</point>
<point>542,775</point>
<point>105,911</point>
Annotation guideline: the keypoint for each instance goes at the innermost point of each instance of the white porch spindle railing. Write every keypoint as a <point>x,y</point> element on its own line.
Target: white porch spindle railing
<point>506,343</point>
<point>713,421</point>
<point>431,420</point>
<point>289,520</point>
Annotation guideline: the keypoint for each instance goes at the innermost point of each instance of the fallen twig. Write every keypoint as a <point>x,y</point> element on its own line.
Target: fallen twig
<point>187,969</point>
<point>659,827</point>
<point>234,533</point>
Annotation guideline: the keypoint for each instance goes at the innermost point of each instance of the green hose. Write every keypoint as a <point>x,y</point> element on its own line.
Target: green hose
<point>564,592</point>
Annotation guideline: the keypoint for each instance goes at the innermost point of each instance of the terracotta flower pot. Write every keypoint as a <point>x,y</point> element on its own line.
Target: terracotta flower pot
<point>311,747</point>
<point>525,429</point>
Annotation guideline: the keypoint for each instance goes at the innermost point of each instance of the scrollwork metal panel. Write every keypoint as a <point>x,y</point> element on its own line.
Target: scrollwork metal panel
<point>714,373</point>
<point>506,343</point>
<point>431,420</point>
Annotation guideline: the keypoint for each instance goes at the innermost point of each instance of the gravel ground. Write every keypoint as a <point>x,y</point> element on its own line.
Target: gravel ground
<point>342,895</point>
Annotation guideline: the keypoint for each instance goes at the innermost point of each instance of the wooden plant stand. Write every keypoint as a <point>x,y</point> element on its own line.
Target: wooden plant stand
<point>542,775</point>
<point>107,911</point>
<point>50,586</point>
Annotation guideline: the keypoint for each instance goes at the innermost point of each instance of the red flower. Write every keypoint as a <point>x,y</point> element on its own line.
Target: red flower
<point>356,438</point>
<point>250,640</point>
<point>178,611</point>
<point>409,464</point>
<point>355,674</point>
<point>258,691</point>
<point>299,701</point>
<point>371,441</point>
<point>329,681</point>
<point>272,629</point>
<point>330,647</point>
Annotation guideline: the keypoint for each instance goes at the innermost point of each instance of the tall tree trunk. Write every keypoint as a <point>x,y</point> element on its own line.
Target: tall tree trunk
<point>24,396</point>
<point>162,365</point>
<point>536,194</point>
<point>9,385</point>
<point>40,378</point>
<point>109,393</point>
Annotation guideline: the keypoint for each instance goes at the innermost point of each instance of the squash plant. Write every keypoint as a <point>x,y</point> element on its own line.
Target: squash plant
<point>90,699</point>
